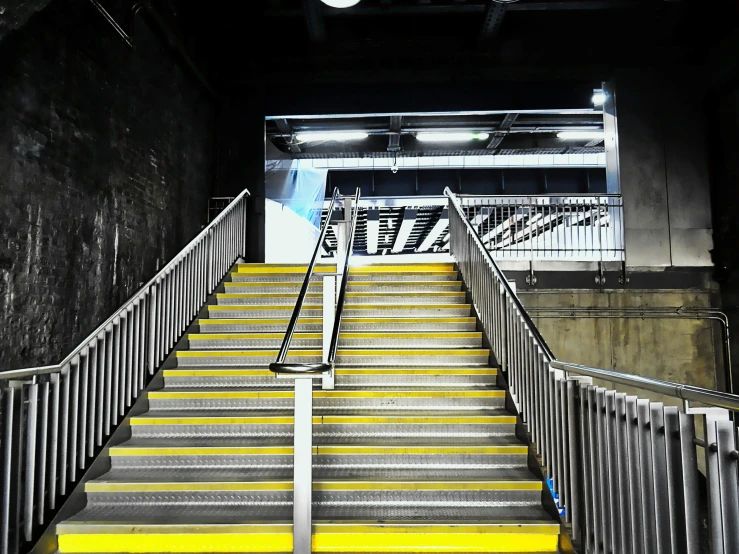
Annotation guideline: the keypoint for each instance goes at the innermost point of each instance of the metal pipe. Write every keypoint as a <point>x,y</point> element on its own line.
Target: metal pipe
<point>278,366</point>
<point>113,23</point>
<point>713,314</point>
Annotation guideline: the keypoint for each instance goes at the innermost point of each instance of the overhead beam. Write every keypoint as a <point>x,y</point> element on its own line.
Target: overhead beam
<point>406,228</point>
<point>286,129</point>
<point>494,14</point>
<point>502,131</point>
<point>396,126</point>
<point>313,12</point>
<point>373,230</point>
<point>439,227</point>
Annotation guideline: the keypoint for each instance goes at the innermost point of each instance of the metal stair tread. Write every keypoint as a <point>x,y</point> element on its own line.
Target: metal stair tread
<point>143,516</point>
<point>320,472</point>
<point>224,442</point>
<point>387,393</point>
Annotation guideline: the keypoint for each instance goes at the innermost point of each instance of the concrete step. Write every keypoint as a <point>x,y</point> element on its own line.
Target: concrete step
<point>370,324</point>
<point>444,309</point>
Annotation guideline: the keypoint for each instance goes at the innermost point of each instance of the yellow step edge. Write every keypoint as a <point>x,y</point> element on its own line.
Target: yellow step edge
<point>347,335</point>
<point>242,269</point>
<point>401,268</point>
<point>257,307</point>
<point>404,283</point>
<point>334,450</point>
<point>327,420</point>
<point>227,295</point>
<point>128,451</point>
<point>509,537</point>
<point>218,373</point>
<point>440,371</point>
<point>208,395</point>
<point>341,352</point>
<point>321,486</point>
<point>410,284</point>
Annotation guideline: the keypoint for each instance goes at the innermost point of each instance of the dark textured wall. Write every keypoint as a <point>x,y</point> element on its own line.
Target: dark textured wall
<point>106,165</point>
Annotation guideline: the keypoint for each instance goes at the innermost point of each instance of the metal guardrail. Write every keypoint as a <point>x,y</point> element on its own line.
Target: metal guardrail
<point>624,469</point>
<point>55,419</point>
<point>572,228</point>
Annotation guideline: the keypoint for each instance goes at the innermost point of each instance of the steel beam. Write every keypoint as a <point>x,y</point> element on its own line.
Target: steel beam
<point>502,131</point>
<point>396,126</point>
<point>286,129</point>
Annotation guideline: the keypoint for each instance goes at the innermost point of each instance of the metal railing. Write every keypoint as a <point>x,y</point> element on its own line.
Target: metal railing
<point>304,374</point>
<point>624,469</point>
<point>577,227</point>
<point>55,419</point>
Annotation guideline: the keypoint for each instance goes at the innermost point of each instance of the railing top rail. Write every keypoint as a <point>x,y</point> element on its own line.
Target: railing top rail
<point>303,291</point>
<point>690,393</point>
<point>45,370</point>
<point>501,277</point>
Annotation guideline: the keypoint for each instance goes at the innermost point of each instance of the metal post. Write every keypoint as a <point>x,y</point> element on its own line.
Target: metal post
<point>329,313</point>
<point>303,466</point>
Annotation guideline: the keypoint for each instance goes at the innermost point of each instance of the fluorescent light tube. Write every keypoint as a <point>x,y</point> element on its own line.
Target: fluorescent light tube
<point>451,136</point>
<point>599,98</point>
<point>341,3</point>
<point>339,136</point>
<point>581,135</point>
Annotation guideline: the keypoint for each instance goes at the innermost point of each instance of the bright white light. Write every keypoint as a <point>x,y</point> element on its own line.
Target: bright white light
<point>581,135</point>
<point>451,137</point>
<point>599,98</point>
<point>340,3</point>
<point>339,136</point>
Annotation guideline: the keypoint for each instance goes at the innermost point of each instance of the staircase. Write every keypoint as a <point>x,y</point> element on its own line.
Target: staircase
<point>414,451</point>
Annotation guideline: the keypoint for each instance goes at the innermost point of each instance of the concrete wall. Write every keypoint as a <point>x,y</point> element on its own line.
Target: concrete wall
<point>663,167</point>
<point>680,350</point>
<point>106,166</point>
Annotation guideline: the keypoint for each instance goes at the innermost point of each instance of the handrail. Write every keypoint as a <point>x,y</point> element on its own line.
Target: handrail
<point>342,290</point>
<point>279,366</point>
<point>690,393</point>
<point>530,324</point>
<point>45,370</point>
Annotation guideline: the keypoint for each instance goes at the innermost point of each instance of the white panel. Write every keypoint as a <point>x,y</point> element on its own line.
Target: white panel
<point>442,161</point>
<point>546,159</point>
<point>487,161</point>
<point>426,161</point>
<point>373,234</point>
<point>366,162</point>
<point>351,162</point>
<point>456,161</point>
<point>576,159</point>
<point>471,161</point>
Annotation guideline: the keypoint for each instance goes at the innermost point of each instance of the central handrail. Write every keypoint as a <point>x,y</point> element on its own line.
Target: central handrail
<point>279,365</point>
<point>530,324</point>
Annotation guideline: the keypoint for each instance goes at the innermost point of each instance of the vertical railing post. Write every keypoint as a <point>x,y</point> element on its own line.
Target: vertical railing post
<point>303,466</point>
<point>329,313</point>
<point>12,468</point>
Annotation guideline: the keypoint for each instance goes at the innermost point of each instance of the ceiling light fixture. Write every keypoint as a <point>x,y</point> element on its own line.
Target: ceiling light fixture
<point>340,3</point>
<point>451,137</point>
<point>599,98</point>
<point>338,136</point>
<point>581,135</point>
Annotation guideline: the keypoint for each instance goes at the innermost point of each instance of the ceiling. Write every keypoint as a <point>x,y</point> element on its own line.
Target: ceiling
<point>416,40</point>
<point>396,135</point>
